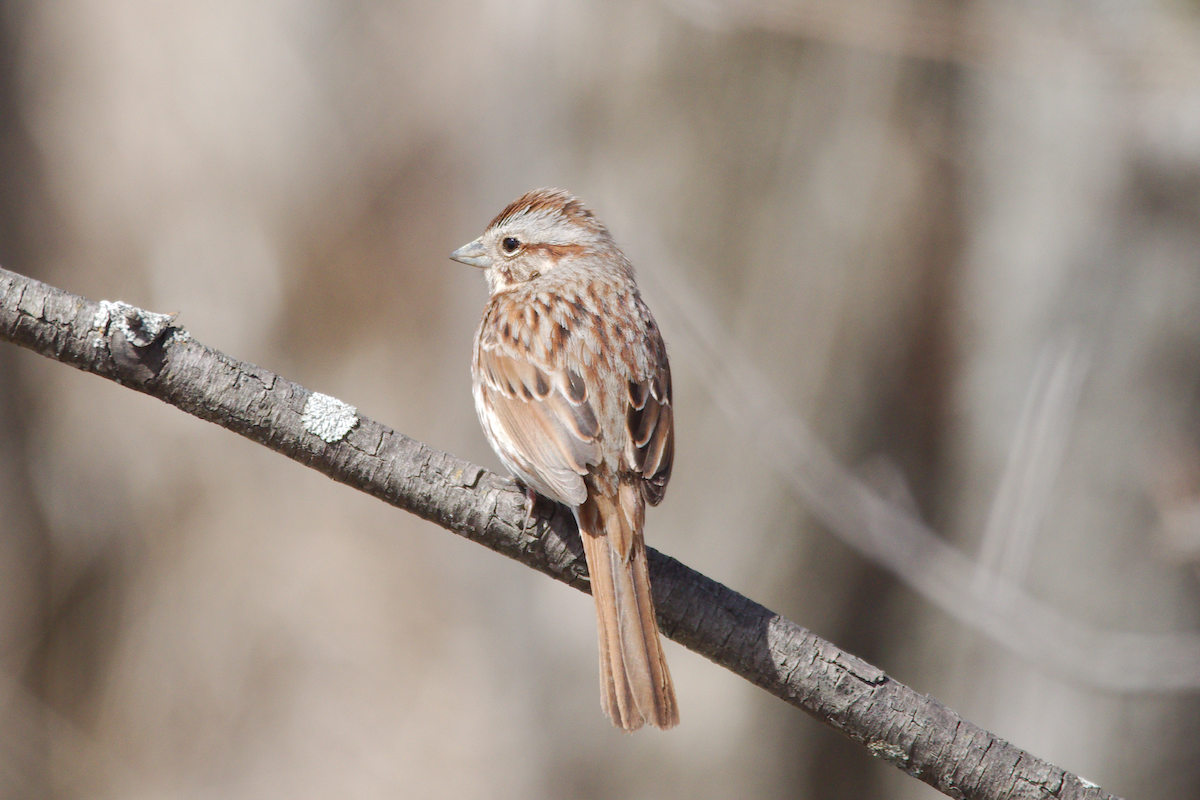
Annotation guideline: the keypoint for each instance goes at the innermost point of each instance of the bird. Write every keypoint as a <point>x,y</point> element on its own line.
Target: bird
<point>572,387</point>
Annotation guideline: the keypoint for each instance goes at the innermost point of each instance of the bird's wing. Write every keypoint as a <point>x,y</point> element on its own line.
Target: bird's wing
<point>540,417</point>
<point>650,446</point>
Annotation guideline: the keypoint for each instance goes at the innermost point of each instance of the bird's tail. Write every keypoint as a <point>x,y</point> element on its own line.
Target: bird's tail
<point>635,684</point>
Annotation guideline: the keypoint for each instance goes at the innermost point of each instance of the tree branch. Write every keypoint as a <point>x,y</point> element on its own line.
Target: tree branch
<point>148,353</point>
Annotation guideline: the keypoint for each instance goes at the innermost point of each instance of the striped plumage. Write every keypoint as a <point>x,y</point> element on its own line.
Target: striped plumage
<point>573,389</point>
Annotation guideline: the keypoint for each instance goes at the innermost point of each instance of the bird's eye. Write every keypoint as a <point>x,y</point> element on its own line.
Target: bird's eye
<point>510,244</point>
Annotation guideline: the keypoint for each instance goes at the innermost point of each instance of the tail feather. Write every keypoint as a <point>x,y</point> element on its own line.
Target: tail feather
<point>635,684</point>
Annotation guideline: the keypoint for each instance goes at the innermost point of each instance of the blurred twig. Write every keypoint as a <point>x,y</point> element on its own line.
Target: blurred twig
<point>1026,488</point>
<point>147,352</point>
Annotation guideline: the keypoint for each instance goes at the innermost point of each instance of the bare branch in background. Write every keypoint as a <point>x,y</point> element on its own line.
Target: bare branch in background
<point>890,535</point>
<point>1027,485</point>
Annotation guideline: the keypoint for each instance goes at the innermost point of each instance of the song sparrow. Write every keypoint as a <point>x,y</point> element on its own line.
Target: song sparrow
<point>573,390</point>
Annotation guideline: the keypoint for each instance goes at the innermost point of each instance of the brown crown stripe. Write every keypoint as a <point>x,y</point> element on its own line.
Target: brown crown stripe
<point>547,200</point>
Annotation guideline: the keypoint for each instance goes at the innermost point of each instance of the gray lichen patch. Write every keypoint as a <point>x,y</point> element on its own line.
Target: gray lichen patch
<point>327,417</point>
<point>140,327</point>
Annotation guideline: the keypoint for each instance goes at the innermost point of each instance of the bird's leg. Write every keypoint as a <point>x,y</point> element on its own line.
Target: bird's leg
<point>532,501</point>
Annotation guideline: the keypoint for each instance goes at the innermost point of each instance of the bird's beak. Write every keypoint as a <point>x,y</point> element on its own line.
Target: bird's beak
<point>473,255</point>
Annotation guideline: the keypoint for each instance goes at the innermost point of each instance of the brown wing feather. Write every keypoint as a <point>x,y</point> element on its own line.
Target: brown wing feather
<point>650,448</point>
<point>541,423</point>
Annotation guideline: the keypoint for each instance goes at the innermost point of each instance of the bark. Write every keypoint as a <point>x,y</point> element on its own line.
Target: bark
<point>149,353</point>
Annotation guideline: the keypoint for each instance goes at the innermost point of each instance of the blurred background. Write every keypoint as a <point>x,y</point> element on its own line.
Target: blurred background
<point>942,255</point>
